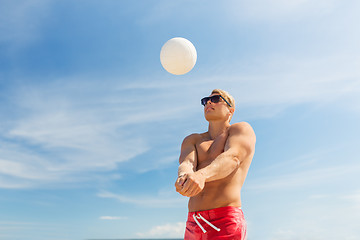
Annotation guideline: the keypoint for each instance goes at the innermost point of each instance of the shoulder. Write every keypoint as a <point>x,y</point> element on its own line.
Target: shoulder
<point>242,129</point>
<point>192,138</point>
<point>241,126</point>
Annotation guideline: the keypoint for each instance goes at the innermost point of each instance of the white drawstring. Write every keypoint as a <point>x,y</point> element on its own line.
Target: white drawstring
<point>209,223</point>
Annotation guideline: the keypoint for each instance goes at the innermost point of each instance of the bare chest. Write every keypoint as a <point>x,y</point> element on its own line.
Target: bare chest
<point>208,150</point>
<point>203,152</point>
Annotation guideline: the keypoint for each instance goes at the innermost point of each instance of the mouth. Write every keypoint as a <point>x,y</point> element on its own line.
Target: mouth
<point>209,108</point>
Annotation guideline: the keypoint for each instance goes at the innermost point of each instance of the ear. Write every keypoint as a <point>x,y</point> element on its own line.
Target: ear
<point>232,110</point>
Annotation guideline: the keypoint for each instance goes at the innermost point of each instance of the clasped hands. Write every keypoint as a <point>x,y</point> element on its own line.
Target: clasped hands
<point>190,184</point>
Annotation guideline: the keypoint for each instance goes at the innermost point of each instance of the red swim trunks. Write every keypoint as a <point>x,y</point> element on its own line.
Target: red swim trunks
<point>225,223</point>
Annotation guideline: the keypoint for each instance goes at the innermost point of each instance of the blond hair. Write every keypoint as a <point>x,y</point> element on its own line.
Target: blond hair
<point>225,95</point>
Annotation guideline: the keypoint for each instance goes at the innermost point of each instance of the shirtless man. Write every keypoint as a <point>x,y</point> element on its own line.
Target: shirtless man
<point>213,168</point>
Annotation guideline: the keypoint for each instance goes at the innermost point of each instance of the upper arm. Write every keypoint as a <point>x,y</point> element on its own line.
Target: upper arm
<point>241,141</point>
<point>188,150</point>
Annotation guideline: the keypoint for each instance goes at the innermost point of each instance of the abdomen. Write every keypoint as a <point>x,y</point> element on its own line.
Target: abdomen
<point>216,194</point>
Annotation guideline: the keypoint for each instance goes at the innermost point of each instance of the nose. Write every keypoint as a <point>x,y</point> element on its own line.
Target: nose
<point>208,101</point>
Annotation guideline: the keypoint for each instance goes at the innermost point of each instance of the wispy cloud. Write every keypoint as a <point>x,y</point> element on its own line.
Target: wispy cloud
<point>284,81</point>
<point>327,217</point>
<point>293,81</point>
<point>353,198</point>
<point>160,200</point>
<point>112,218</point>
<point>21,230</point>
<point>302,179</point>
<point>308,170</point>
<point>169,230</point>
<point>280,9</point>
<point>240,11</point>
<point>75,125</point>
<point>66,134</point>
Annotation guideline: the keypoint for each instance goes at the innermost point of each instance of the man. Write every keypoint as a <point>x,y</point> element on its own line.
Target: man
<point>213,168</point>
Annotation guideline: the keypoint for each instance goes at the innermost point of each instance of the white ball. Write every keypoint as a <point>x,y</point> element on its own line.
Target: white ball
<point>178,56</point>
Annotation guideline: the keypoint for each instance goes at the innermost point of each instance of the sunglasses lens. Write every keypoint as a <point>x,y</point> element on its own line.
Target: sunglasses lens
<point>215,99</point>
<point>204,100</point>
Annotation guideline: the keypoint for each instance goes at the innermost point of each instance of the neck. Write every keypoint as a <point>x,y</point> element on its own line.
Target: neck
<point>217,127</point>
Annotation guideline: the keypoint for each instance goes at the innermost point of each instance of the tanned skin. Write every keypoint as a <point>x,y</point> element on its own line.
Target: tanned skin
<point>213,165</point>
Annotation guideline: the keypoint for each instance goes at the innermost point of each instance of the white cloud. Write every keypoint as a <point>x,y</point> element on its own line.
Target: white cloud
<point>282,82</point>
<point>241,11</point>
<point>73,127</point>
<point>158,163</point>
<point>271,10</point>
<point>353,198</point>
<point>22,168</point>
<point>285,82</point>
<point>169,230</point>
<point>161,200</point>
<point>320,219</point>
<point>312,169</point>
<point>288,80</point>
<point>42,230</point>
<point>82,127</point>
<point>112,218</point>
<point>318,196</point>
<point>61,134</point>
<point>281,234</point>
<point>18,170</point>
<point>302,179</point>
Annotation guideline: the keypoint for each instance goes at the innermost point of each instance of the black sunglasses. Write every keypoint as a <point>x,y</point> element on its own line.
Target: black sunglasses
<point>213,99</point>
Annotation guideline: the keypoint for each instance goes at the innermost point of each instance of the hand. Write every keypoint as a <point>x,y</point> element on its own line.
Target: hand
<point>180,182</point>
<point>190,184</point>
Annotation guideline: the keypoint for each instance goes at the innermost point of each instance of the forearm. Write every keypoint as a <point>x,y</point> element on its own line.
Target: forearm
<point>186,167</point>
<point>221,167</point>
<point>185,171</point>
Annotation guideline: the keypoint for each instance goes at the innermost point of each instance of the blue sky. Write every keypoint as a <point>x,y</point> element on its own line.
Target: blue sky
<point>91,124</point>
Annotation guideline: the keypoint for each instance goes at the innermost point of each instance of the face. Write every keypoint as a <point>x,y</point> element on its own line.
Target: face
<point>217,111</point>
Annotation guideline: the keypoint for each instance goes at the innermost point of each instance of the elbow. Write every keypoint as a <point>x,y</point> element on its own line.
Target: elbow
<point>237,161</point>
<point>239,157</point>
<point>235,158</point>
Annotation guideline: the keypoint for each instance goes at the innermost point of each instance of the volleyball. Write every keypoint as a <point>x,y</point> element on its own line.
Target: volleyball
<point>178,56</point>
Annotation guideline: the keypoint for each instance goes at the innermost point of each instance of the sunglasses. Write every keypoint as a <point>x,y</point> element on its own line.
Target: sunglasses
<point>214,99</point>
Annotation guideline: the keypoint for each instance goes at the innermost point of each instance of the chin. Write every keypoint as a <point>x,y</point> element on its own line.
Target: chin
<point>211,118</point>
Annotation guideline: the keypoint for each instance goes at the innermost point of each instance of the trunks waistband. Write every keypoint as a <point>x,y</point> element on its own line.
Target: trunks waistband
<point>218,210</point>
